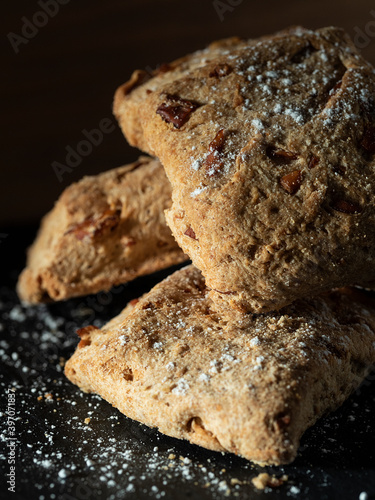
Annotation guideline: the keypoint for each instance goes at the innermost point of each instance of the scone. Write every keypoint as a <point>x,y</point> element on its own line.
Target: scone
<point>103,231</point>
<point>131,94</point>
<point>270,151</point>
<point>250,387</point>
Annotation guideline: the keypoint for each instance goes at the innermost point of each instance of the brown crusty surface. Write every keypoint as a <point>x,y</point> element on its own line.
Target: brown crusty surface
<point>250,386</point>
<point>104,230</point>
<point>270,151</point>
<point>131,94</point>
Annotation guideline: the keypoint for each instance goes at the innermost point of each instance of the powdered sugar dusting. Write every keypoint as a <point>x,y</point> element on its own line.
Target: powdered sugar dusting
<point>181,388</point>
<point>198,191</point>
<point>73,443</point>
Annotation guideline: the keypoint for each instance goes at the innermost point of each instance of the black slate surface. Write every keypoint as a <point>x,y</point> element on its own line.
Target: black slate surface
<point>59,456</point>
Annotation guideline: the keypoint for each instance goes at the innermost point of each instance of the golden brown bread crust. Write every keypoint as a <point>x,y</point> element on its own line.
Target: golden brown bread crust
<point>270,151</point>
<point>103,231</point>
<point>251,387</point>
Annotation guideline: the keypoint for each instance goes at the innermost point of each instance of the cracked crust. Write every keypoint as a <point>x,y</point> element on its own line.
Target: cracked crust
<point>103,231</point>
<point>250,387</point>
<point>270,151</point>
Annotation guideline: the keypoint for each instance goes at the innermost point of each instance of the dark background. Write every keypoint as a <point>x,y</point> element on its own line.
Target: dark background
<point>63,80</point>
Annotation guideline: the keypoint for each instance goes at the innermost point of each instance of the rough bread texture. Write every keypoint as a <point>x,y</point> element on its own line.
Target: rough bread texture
<point>131,94</point>
<point>103,231</point>
<point>250,387</point>
<point>270,151</point>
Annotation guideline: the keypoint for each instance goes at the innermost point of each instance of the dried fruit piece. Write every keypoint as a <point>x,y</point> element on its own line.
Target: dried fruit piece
<point>107,221</point>
<point>217,143</point>
<point>213,164</point>
<point>86,330</point>
<point>291,182</point>
<point>221,70</point>
<point>82,229</point>
<point>133,302</point>
<point>281,156</point>
<point>313,161</point>
<point>84,342</point>
<point>176,110</point>
<point>368,140</point>
<point>190,232</point>
<point>214,161</point>
<point>223,293</point>
<point>346,207</point>
<point>84,334</point>
<point>282,421</point>
<point>95,227</point>
<point>128,241</point>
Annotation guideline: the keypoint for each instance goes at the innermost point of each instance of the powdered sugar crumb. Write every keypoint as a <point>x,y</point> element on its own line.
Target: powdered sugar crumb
<point>198,191</point>
<point>181,388</point>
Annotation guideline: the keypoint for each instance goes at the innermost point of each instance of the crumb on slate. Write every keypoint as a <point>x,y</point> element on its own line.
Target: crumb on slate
<point>261,481</point>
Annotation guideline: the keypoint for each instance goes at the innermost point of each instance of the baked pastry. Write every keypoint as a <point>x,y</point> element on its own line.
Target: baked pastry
<point>131,94</point>
<point>250,387</point>
<point>104,230</point>
<point>270,151</point>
